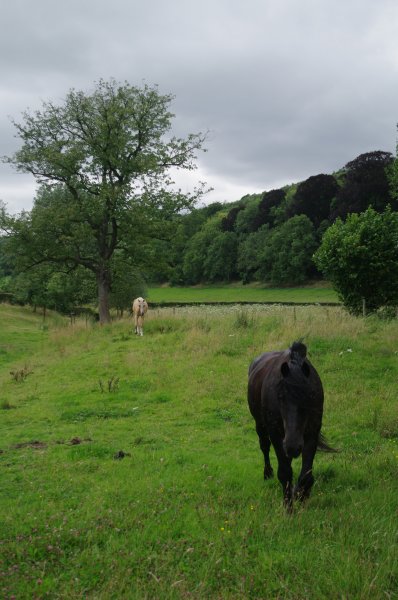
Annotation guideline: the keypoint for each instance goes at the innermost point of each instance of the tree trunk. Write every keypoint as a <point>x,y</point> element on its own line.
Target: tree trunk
<point>104,286</point>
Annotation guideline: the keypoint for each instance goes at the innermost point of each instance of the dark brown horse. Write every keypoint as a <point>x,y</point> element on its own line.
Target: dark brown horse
<point>285,397</point>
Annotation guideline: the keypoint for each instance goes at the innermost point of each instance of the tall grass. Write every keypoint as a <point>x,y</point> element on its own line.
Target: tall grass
<point>153,488</point>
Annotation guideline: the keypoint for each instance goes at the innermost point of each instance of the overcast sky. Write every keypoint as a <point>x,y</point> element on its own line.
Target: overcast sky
<point>286,88</point>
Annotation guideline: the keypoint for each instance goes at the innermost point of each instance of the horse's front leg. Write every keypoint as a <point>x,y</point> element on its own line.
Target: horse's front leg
<point>140,324</point>
<point>285,472</point>
<point>305,481</point>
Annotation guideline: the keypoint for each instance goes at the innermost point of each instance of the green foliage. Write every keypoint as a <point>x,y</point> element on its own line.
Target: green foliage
<point>197,249</point>
<point>366,183</point>
<point>220,261</point>
<point>313,198</point>
<point>246,218</point>
<point>193,267</point>
<point>269,203</point>
<point>103,159</point>
<point>250,252</point>
<point>360,258</point>
<point>287,255</point>
<point>127,283</point>
<point>46,287</point>
<point>272,249</point>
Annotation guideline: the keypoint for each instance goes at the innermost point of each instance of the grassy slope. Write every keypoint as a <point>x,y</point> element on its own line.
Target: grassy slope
<point>241,294</point>
<point>186,514</point>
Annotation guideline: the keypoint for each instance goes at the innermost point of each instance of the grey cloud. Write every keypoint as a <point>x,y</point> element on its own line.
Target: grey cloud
<point>286,89</point>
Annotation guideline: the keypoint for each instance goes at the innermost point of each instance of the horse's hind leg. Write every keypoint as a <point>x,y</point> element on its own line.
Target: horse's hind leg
<point>265,445</point>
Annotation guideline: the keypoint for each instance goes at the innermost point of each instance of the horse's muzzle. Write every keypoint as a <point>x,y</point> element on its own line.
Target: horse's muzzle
<point>292,451</point>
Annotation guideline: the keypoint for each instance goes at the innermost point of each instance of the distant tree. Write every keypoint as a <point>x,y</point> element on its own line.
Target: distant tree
<point>188,225</point>
<point>195,255</point>
<point>67,291</point>
<point>245,218</point>
<point>221,255</point>
<point>5,261</point>
<point>287,256</point>
<point>366,184</point>
<point>313,198</point>
<point>392,176</point>
<point>250,251</point>
<point>228,222</point>
<point>47,288</point>
<point>360,258</point>
<point>265,214</point>
<point>193,267</point>
<point>127,284</point>
<point>104,160</point>
<point>213,208</point>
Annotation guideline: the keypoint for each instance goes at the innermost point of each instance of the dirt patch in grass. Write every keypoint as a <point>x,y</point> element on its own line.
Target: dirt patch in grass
<point>31,444</point>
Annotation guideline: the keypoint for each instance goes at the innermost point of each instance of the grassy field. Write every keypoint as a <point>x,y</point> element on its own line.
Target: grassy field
<point>130,467</point>
<point>235,293</point>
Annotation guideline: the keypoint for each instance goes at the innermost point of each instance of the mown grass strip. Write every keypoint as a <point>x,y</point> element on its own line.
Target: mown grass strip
<point>232,294</point>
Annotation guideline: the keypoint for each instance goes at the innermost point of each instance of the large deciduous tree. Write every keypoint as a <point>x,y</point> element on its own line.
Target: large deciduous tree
<point>269,201</point>
<point>313,198</point>
<point>360,258</point>
<point>287,255</point>
<point>103,160</point>
<point>366,184</point>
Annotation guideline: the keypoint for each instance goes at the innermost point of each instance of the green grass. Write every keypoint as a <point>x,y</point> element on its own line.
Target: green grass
<point>235,293</point>
<point>185,513</point>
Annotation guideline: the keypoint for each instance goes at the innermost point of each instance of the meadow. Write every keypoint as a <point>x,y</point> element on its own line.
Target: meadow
<point>130,466</point>
<point>238,293</point>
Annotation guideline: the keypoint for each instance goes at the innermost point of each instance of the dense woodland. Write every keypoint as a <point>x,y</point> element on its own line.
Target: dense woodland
<point>269,237</point>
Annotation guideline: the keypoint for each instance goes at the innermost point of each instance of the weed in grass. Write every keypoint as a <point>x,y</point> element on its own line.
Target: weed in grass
<point>225,414</point>
<point>82,452</point>
<point>20,375</point>
<point>101,413</point>
<point>5,405</point>
<point>111,385</point>
<point>376,412</point>
<point>203,325</point>
<point>161,398</point>
<point>388,427</point>
<point>230,351</point>
<point>140,440</point>
<point>162,326</point>
<point>243,320</point>
<point>140,385</point>
<point>123,337</point>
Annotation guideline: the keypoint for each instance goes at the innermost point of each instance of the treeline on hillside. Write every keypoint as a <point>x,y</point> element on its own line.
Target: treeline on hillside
<point>271,237</point>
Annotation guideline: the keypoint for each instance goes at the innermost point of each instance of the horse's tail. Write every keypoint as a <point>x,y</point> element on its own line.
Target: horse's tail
<point>323,446</point>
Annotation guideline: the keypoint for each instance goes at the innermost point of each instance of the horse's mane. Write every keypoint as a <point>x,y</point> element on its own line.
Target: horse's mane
<point>298,352</point>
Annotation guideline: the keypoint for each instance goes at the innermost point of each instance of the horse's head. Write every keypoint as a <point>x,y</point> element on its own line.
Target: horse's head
<point>141,305</point>
<point>295,400</point>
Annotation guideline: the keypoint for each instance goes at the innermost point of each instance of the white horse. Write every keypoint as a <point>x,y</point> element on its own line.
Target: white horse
<point>140,307</point>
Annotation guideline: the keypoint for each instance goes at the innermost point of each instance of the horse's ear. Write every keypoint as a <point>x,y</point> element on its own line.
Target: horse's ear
<point>285,369</point>
<point>305,369</point>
